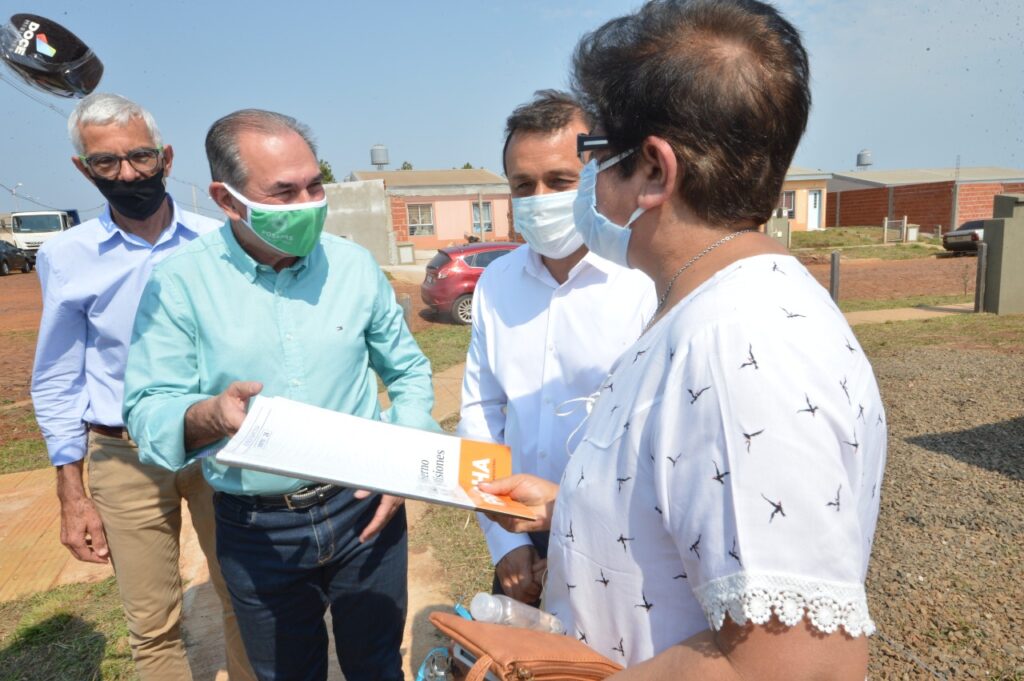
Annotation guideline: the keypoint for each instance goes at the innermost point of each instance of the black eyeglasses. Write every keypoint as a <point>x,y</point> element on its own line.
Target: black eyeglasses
<point>145,160</point>
<point>587,144</point>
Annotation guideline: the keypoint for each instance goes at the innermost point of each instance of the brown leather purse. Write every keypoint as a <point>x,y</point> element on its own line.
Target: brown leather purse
<point>515,654</point>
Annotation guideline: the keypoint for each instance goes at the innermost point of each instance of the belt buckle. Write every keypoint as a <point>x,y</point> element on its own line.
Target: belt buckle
<point>311,497</point>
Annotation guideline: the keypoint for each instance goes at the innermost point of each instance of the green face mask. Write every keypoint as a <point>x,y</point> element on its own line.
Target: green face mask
<point>291,228</point>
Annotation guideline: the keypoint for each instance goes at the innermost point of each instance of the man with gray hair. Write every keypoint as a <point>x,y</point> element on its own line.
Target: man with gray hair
<point>92,277</point>
<point>269,305</point>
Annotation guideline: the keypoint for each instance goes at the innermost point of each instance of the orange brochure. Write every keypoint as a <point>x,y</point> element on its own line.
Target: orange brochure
<point>298,440</point>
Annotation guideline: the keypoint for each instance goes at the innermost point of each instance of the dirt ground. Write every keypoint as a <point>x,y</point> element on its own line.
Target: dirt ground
<point>20,305</point>
<point>945,579</point>
<point>422,316</point>
<point>871,279</point>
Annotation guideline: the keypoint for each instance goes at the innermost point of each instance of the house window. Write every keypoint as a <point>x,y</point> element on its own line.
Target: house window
<point>488,223</point>
<point>421,219</point>
<point>788,205</point>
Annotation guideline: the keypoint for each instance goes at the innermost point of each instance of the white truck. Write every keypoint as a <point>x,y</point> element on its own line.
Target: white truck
<point>28,230</point>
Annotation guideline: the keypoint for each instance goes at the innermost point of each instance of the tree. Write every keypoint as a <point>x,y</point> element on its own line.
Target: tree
<point>406,165</point>
<point>467,166</point>
<point>326,173</point>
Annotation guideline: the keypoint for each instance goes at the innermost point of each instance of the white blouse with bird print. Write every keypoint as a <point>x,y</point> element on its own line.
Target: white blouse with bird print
<point>731,466</point>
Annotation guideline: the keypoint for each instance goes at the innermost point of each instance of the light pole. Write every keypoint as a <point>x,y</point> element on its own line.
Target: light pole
<point>14,193</point>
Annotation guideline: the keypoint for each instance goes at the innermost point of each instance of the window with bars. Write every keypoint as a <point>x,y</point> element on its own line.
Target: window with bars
<point>488,223</point>
<point>421,219</point>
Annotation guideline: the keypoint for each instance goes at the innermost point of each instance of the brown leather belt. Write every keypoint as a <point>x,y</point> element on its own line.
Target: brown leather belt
<point>117,432</point>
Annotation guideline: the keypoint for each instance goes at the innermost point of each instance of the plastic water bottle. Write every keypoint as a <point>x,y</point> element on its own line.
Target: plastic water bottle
<point>504,610</point>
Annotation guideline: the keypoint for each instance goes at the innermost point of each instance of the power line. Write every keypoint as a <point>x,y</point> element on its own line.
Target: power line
<point>186,182</point>
<point>32,199</point>
<point>60,112</point>
<point>196,206</point>
<point>36,201</point>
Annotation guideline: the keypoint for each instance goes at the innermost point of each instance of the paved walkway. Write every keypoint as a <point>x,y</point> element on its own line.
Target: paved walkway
<point>907,313</point>
<point>32,558</point>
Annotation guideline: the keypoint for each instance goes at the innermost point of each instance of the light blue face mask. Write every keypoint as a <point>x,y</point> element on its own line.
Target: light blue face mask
<point>601,235</point>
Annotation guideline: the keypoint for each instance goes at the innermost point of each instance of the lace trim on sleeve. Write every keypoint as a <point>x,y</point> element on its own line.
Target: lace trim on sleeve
<point>827,605</point>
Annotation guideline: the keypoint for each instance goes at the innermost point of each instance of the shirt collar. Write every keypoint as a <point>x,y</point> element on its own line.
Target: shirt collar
<point>534,266</point>
<point>249,267</point>
<point>111,229</point>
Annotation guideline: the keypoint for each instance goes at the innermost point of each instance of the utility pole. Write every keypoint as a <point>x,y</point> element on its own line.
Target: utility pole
<point>14,193</point>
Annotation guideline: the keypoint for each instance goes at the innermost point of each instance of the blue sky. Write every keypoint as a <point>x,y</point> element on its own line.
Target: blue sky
<point>916,82</point>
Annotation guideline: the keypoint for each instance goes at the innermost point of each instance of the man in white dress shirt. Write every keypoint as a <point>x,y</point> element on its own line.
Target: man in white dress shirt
<point>92,277</point>
<point>549,319</point>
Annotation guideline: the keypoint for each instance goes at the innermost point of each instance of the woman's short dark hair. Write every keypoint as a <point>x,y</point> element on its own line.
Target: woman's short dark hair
<point>724,82</point>
<point>549,111</point>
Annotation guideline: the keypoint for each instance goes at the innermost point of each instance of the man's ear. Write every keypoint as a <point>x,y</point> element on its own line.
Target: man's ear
<point>168,159</point>
<point>231,206</point>
<point>77,162</point>
<point>660,172</point>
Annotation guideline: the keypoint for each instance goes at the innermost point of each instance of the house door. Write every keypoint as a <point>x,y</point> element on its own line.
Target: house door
<point>814,209</point>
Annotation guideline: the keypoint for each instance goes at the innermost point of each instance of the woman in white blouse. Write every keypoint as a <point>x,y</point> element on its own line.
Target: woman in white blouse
<point>716,520</point>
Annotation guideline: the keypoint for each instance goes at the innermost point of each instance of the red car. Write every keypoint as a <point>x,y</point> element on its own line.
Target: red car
<point>452,275</point>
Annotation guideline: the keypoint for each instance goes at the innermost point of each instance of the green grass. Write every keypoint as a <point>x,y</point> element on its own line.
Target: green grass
<point>861,304</point>
<point>861,242</point>
<point>977,331</point>
<point>72,632</point>
<point>10,336</point>
<point>22,455</point>
<point>837,237</point>
<point>445,345</point>
<point>459,546</point>
<point>21,446</point>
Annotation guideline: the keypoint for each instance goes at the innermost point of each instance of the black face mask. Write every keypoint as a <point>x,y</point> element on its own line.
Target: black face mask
<point>136,200</point>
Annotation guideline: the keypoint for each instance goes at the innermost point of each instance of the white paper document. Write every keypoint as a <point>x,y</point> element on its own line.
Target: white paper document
<point>302,441</point>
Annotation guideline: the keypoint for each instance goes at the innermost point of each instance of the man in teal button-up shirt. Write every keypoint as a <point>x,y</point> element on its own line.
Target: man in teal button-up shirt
<point>238,313</point>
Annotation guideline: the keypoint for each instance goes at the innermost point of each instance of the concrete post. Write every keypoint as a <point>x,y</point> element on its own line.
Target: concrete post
<point>1004,277</point>
<point>979,281</point>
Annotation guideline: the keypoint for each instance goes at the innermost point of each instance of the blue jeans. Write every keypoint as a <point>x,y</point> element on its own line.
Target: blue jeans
<point>283,568</point>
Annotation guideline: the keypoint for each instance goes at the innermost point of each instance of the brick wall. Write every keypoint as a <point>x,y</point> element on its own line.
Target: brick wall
<point>975,200</point>
<point>399,218</point>
<point>860,207</point>
<point>831,219</point>
<point>926,205</point>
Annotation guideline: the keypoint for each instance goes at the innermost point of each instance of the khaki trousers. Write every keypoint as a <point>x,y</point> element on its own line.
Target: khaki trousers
<point>140,506</point>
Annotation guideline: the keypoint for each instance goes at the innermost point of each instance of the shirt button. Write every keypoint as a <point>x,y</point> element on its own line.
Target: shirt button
<point>296,381</point>
<point>551,348</point>
<point>543,455</point>
<point>288,337</point>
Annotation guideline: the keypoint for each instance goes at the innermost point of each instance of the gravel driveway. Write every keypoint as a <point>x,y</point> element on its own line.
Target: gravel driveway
<point>946,584</point>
